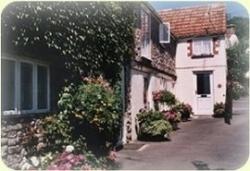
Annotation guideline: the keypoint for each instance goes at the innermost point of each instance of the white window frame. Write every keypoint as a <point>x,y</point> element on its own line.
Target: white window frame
<point>17,102</point>
<point>203,39</point>
<point>146,51</point>
<point>161,30</point>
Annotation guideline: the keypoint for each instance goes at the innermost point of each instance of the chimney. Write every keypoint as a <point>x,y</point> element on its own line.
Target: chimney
<point>231,38</point>
<point>231,29</point>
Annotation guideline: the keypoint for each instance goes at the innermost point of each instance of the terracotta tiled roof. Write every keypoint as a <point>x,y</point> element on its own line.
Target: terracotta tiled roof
<point>196,21</point>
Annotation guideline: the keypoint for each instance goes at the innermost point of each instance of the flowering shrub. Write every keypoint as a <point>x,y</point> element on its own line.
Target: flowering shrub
<point>173,118</point>
<point>96,104</point>
<point>153,124</point>
<point>34,141</point>
<point>68,161</point>
<point>165,97</point>
<point>89,117</point>
<point>184,109</point>
<point>219,109</point>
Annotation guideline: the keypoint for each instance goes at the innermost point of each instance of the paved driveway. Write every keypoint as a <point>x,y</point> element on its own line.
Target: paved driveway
<point>203,143</point>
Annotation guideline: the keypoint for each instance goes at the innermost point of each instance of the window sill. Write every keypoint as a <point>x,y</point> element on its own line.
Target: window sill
<point>24,112</point>
<point>202,56</point>
<point>146,58</point>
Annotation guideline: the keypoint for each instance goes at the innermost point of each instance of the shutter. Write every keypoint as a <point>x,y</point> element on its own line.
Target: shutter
<point>189,48</point>
<point>161,32</point>
<point>216,45</point>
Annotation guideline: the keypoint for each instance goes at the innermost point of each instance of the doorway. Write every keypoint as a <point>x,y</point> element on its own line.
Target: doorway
<point>204,92</point>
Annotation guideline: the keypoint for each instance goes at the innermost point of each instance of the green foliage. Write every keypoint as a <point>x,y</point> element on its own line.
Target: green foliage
<point>219,109</point>
<point>153,124</point>
<point>238,65</point>
<point>238,59</point>
<point>90,112</point>
<point>184,109</point>
<point>156,128</point>
<point>168,98</point>
<point>164,96</point>
<point>58,130</point>
<point>90,37</point>
<point>237,62</point>
<point>148,116</point>
<point>237,90</point>
<point>96,103</point>
<point>242,28</point>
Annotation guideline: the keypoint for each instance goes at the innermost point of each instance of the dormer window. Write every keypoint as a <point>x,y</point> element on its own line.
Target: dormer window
<point>164,33</point>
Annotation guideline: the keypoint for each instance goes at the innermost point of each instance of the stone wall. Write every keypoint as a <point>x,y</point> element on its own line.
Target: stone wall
<point>162,55</point>
<point>15,132</point>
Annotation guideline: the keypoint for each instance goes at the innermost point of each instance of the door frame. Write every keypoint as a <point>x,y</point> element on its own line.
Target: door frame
<point>195,98</point>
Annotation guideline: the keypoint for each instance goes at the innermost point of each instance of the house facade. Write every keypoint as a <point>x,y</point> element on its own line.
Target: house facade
<point>200,55</point>
<point>31,82</point>
<point>189,61</point>
<point>152,67</point>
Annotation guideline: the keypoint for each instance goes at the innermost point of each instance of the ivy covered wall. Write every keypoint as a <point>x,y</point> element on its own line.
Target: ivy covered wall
<point>88,38</point>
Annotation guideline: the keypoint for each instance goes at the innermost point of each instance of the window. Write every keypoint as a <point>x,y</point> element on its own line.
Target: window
<point>8,85</point>
<point>145,34</point>
<point>25,86</point>
<point>202,47</point>
<point>145,90</point>
<point>42,83</point>
<point>164,33</point>
<point>203,83</point>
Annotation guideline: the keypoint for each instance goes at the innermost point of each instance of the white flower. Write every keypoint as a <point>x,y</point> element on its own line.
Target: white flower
<point>34,160</point>
<point>26,166</point>
<point>69,148</point>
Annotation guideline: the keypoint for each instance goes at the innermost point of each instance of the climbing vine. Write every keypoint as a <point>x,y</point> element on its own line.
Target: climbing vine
<point>90,37</point>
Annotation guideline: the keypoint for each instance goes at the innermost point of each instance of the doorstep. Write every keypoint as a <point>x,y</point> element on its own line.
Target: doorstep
<point>136,145</point>
<point>201,116</point>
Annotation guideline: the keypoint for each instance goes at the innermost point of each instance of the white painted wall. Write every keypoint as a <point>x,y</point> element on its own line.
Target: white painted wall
<point>156,82</point>
<point>136,98</point>
<point>185,66</point>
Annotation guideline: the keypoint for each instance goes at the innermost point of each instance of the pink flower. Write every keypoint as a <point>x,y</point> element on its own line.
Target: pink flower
<point>81,157</point>
<point>112,156</point>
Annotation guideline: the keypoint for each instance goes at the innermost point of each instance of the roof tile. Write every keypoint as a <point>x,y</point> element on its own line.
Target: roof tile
<point>196,21</point>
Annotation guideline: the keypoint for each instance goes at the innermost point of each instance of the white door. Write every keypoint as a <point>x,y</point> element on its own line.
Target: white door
<point>204,93</point>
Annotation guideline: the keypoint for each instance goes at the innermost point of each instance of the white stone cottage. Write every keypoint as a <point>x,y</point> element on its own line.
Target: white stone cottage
<point>152,68</point>
<point>193,62</point>
<point>200,55</point>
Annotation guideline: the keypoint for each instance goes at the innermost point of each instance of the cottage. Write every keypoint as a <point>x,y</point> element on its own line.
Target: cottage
<point>189,61</point>
<point>200,55</point>
<point>32,79</point>
<point>151,69</point>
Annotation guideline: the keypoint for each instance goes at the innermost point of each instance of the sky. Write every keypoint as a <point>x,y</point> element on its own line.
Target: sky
<point>233,8</point>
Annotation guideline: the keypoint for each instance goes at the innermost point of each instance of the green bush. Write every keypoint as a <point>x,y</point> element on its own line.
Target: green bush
<point>219,109</point>
<point>184,109</point>
<point>237,90</point>
<point>153,124</point>
<point>156,128</point>
<point>89,116</point>
<point>58,130</point>
<point>165,97</point>
<point>173,117</point>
